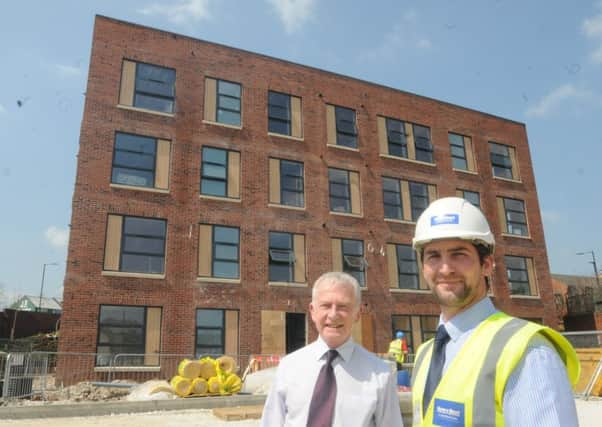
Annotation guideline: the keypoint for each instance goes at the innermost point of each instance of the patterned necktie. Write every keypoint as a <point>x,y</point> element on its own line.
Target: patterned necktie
<point>321,408</point>
<point>436,367</point>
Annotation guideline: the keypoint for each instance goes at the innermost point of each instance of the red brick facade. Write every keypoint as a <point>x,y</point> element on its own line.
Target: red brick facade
<point>179,293</point>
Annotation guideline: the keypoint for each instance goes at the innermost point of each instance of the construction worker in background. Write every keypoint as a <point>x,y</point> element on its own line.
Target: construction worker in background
<point>484,367</point>
<point>398,349</point>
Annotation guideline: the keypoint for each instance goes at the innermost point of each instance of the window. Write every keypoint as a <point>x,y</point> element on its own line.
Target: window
<point>354,262</point>
<point>219,248</point>
<point>396,138</point>
<point>220,170</point>
<point>135,245</point>
<point>405,140</point>
<point>428,326</point>
<point>287,257</point>
<point>407,267</point>
<point>521,275</point>
<point>461,152</point>
<point>472,196</point>
<point>286,183</point>
<point>419,198</point>
<point>284,114</point>
<point>210,332</point>
<point>406,200</point>
<point>512,216</point>
<point>392,198</point>
<point>341,128</point>
<point>279,113</point>
<point>403,267</point>
<point>130,330</point>
<point>216,332</point>
<point>503,161</point>
<point>344,192</point>
<point>147,86</point>
<point>222,102</point>
<point>140,161</point>
<point>346,131</point>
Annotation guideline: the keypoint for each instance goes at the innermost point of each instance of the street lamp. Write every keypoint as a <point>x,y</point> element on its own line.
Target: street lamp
<point>42,285</point>
<point>593,262</point>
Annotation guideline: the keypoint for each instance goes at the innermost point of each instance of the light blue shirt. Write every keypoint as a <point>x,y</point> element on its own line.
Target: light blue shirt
<point>366,388</point>
<point>538,392</point>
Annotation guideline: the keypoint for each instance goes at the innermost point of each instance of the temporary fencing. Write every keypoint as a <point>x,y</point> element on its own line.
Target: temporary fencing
<point>36,374</point>
<point>588,345</point>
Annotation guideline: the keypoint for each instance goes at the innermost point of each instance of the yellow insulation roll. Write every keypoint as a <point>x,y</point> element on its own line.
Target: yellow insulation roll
<point>227,364</point>
<point>181,385</point>
<point>199,386</point>
<point>189,368</point>
<point>214,385</point>
<point>207,368</point>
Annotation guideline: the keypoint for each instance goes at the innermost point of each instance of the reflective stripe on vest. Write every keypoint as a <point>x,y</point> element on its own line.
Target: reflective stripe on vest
<point>479,379</point>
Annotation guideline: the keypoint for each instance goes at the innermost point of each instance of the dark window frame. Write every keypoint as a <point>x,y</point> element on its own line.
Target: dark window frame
<point>514,224</point>
<point>398,207</point>
<point>346,186</point>
<point>274,250</point>
<point>275,119</point>
<point>299,195</point>
<point>425,333</point>
<point>341,131</point>
<point>413,261</point>
<point>423,145</point>
<point>226,167</point>
<point>138,348</point>
<point>501,163</point>
<point>215,259</point>
<point>218,104</point>
<point>198,328</point>
<point>349,259</point>
<point>138,154</point>
<point>516,285</point>
<point>456,156</point>
<point>153,95</point>
<point>414,198</point>
<point>123,242</point>
<point>394,146</point>
<point>470,192</point>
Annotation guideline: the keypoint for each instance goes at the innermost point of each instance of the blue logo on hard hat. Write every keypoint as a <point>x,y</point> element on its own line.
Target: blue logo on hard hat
<point>445,219</point>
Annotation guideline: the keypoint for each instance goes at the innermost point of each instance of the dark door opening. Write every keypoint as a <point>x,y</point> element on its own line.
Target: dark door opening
<point>295,331</point>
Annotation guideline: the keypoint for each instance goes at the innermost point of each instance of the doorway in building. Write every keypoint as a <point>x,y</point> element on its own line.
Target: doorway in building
<point>295,331</point>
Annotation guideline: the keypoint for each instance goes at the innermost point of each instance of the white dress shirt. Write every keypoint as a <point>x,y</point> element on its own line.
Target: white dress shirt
<point>538,392</point>
<point>366,388</point>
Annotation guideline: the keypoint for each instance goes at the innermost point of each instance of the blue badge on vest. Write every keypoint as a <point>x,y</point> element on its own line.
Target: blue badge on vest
<point>445,219</point>
<point>448,414</point>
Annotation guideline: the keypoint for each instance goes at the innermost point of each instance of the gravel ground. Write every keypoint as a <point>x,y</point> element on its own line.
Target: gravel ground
<point>590,414</point>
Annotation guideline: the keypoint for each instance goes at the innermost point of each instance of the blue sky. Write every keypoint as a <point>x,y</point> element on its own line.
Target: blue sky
<point>538,62</point>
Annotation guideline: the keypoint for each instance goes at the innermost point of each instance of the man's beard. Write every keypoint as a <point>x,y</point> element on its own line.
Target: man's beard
<point>452,297</point>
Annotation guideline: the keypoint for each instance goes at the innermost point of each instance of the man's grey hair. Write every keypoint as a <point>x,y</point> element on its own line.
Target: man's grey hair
<point>339,278</point>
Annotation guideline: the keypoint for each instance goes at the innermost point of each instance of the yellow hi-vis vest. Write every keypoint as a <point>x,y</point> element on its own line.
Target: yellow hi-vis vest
<point>471,390</point>
<point>395,348</point>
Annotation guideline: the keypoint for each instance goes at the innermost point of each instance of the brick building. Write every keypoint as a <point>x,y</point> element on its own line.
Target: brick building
<point>214,185</point>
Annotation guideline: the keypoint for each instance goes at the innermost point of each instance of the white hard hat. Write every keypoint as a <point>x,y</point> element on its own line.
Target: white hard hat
<point>452,218</point>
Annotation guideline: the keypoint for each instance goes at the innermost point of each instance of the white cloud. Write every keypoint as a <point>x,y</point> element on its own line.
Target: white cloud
<point>555,99</point>
<point>67,70</point>
<point>2,109</point>
<point>404,35</point>
<point>182,12</point>
<point>57,237</point>
<point>293,13</point>
<point>592,28</point>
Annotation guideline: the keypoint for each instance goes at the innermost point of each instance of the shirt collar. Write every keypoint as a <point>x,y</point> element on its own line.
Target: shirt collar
<point>468,319</point>
<point>345,350</point>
